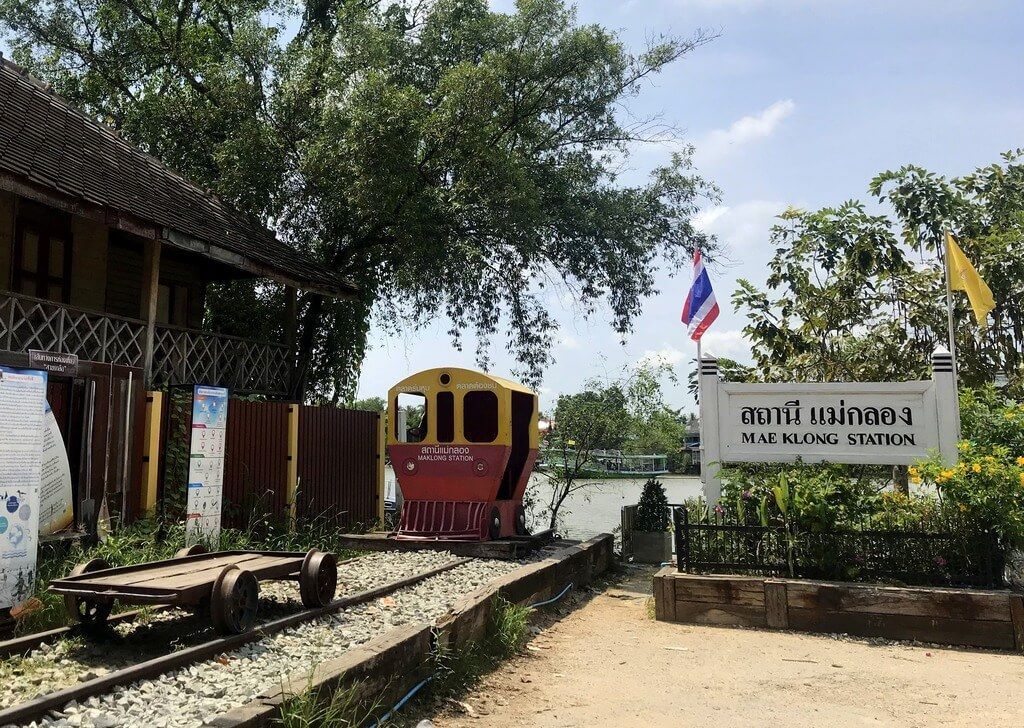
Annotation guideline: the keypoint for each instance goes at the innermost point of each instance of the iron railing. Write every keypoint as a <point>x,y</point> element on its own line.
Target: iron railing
<point>180,355</point>
<point>915,555</point>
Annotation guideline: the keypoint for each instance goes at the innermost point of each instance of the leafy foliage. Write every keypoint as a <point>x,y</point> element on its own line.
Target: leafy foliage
<point>451,160</point>
<point>627,412</point>
<point>652,510</point>
<point>857,296</point>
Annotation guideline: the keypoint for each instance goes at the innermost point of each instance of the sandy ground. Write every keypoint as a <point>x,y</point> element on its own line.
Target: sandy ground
<point>608,663</point>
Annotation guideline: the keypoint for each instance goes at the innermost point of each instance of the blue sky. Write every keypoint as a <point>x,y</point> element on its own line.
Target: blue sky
<point>799,102</point>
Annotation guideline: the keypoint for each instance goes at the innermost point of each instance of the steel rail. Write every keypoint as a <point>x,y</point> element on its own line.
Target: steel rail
<point>37,708</point>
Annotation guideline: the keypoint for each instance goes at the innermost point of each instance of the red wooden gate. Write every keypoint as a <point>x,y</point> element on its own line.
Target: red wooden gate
<point>338,451</point>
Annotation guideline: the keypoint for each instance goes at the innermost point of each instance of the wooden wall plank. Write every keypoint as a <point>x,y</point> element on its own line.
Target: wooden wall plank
<point>745,591</point>
<point>974,632</point>
<point>864,598</point>
<point>1017,619</point>
<point>776,604</point>
<point>719,614</point>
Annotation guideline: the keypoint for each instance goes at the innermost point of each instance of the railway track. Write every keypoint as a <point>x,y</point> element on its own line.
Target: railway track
<point>41,706</point>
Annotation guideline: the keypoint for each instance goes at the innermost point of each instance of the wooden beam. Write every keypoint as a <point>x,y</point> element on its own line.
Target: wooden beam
<point>150,290</point>
<point>776,607</point>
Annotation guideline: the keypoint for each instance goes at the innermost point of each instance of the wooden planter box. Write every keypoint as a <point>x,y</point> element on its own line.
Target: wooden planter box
<point>967,617</point>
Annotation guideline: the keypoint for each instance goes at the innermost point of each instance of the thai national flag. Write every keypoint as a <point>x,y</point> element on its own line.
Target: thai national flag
<point>700,309</point>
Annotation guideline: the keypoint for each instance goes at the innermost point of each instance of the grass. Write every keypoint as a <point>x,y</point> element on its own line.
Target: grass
<point>454,673</point>
<point>315,707</point>
<point>145,541</point>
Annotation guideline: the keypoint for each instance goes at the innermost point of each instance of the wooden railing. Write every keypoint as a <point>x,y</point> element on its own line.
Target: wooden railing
<point>180,356</point>
<point>188,355</point>
<point>32,323</point>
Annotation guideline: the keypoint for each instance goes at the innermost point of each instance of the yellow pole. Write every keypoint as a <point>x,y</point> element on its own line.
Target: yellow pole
<point>292,494</point>
<point>151,452</point>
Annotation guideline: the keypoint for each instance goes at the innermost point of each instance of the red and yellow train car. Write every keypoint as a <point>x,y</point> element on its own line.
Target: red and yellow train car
<point>464,466</point>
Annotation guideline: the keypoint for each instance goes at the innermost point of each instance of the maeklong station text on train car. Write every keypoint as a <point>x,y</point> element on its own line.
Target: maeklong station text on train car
<point>880,423</point>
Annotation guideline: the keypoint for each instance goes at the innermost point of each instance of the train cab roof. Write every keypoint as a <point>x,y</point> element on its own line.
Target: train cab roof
<point>430,380</point>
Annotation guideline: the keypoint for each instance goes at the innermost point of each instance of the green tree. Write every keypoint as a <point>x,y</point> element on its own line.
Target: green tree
<point>452,161</point>
<point>626,412</point>
<point>859,296</point>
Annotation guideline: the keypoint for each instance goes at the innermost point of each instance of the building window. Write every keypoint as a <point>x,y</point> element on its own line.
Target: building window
<point>42,261</point>
<point>172,304</point>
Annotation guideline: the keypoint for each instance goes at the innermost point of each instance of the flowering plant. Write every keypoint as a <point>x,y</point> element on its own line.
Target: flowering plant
<point>986,488</point>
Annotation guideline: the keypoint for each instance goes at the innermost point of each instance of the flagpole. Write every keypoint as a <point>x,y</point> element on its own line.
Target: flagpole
<point>700,415</point>
<point>951,332</point>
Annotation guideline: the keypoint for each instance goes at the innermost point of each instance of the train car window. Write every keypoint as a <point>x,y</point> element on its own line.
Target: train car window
<point>480,416</point>
<point>445,417</point>
<point>411,422</point>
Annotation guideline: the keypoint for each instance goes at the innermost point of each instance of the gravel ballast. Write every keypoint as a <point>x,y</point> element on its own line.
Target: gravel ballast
<point>193,695</point>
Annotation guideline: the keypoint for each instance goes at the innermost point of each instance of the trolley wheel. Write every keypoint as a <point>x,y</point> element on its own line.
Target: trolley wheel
<point>234,599</point>
<point>318,578</point>
<point>521,529</point>
<point>91,613</point>
<point>193,550</point>
<point>494,528</point>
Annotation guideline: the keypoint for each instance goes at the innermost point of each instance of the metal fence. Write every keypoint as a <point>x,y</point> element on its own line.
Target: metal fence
<point>913,555</point>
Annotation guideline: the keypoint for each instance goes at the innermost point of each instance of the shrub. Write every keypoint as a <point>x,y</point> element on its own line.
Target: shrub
<point>652,511</point>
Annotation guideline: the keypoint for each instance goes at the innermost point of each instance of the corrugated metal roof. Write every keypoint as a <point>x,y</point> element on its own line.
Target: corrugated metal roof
<point>45,142</point>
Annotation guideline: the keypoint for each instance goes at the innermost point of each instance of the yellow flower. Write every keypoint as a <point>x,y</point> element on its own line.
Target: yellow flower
<point>976,468</point>
<point>1020,461</point>
<point>962,508</point>
<point>916,479</point>
<point>1010,416</point>
<point>914,472</point>
<point>1022,480</point>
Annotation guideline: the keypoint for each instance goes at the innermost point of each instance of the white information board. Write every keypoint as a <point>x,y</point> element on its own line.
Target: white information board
<point>876,423</point>
<point>206,464</point>
<point>56,512</point>
<point>22,402</point>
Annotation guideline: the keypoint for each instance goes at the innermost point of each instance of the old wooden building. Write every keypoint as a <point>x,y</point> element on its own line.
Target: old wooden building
<point>106,255</point>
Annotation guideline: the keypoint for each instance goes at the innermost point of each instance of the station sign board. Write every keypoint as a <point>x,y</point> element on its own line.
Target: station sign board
<point>876,423</point>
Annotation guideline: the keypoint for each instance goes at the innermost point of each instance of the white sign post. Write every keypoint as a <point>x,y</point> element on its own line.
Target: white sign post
<point>206,464</point>
<point>879,423</point>
<point>22,401</point>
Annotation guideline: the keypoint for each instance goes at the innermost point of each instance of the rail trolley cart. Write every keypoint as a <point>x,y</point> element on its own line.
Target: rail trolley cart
<point>225,582</point>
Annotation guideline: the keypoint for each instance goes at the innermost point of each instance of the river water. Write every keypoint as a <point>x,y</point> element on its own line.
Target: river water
<point>597,508</point>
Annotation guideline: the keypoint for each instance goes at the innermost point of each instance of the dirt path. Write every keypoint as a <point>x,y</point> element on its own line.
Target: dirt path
<point>607,663</point>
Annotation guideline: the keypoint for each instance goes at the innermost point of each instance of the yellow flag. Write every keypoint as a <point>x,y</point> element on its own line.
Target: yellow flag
<point>963,277</point>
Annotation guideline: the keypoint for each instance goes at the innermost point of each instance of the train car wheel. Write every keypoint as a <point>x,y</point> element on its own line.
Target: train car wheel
<point>521,529</point>
<point>90,613</point>
<point>233,602</point>
<point>318,579</point>
<point>193,550</point>
<point>495,525</point>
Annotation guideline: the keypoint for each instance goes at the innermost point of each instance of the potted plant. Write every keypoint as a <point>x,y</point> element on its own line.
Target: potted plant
<point>652,542</point>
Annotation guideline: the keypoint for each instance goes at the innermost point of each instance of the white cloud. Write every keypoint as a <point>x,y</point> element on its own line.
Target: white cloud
<point>761,125</point>
<point>729,343</point>
<point>667,355</point>
<point>743,227</point>
<point>567,342</point>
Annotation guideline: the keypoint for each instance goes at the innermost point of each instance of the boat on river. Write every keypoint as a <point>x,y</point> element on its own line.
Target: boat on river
<point>606,463</point>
